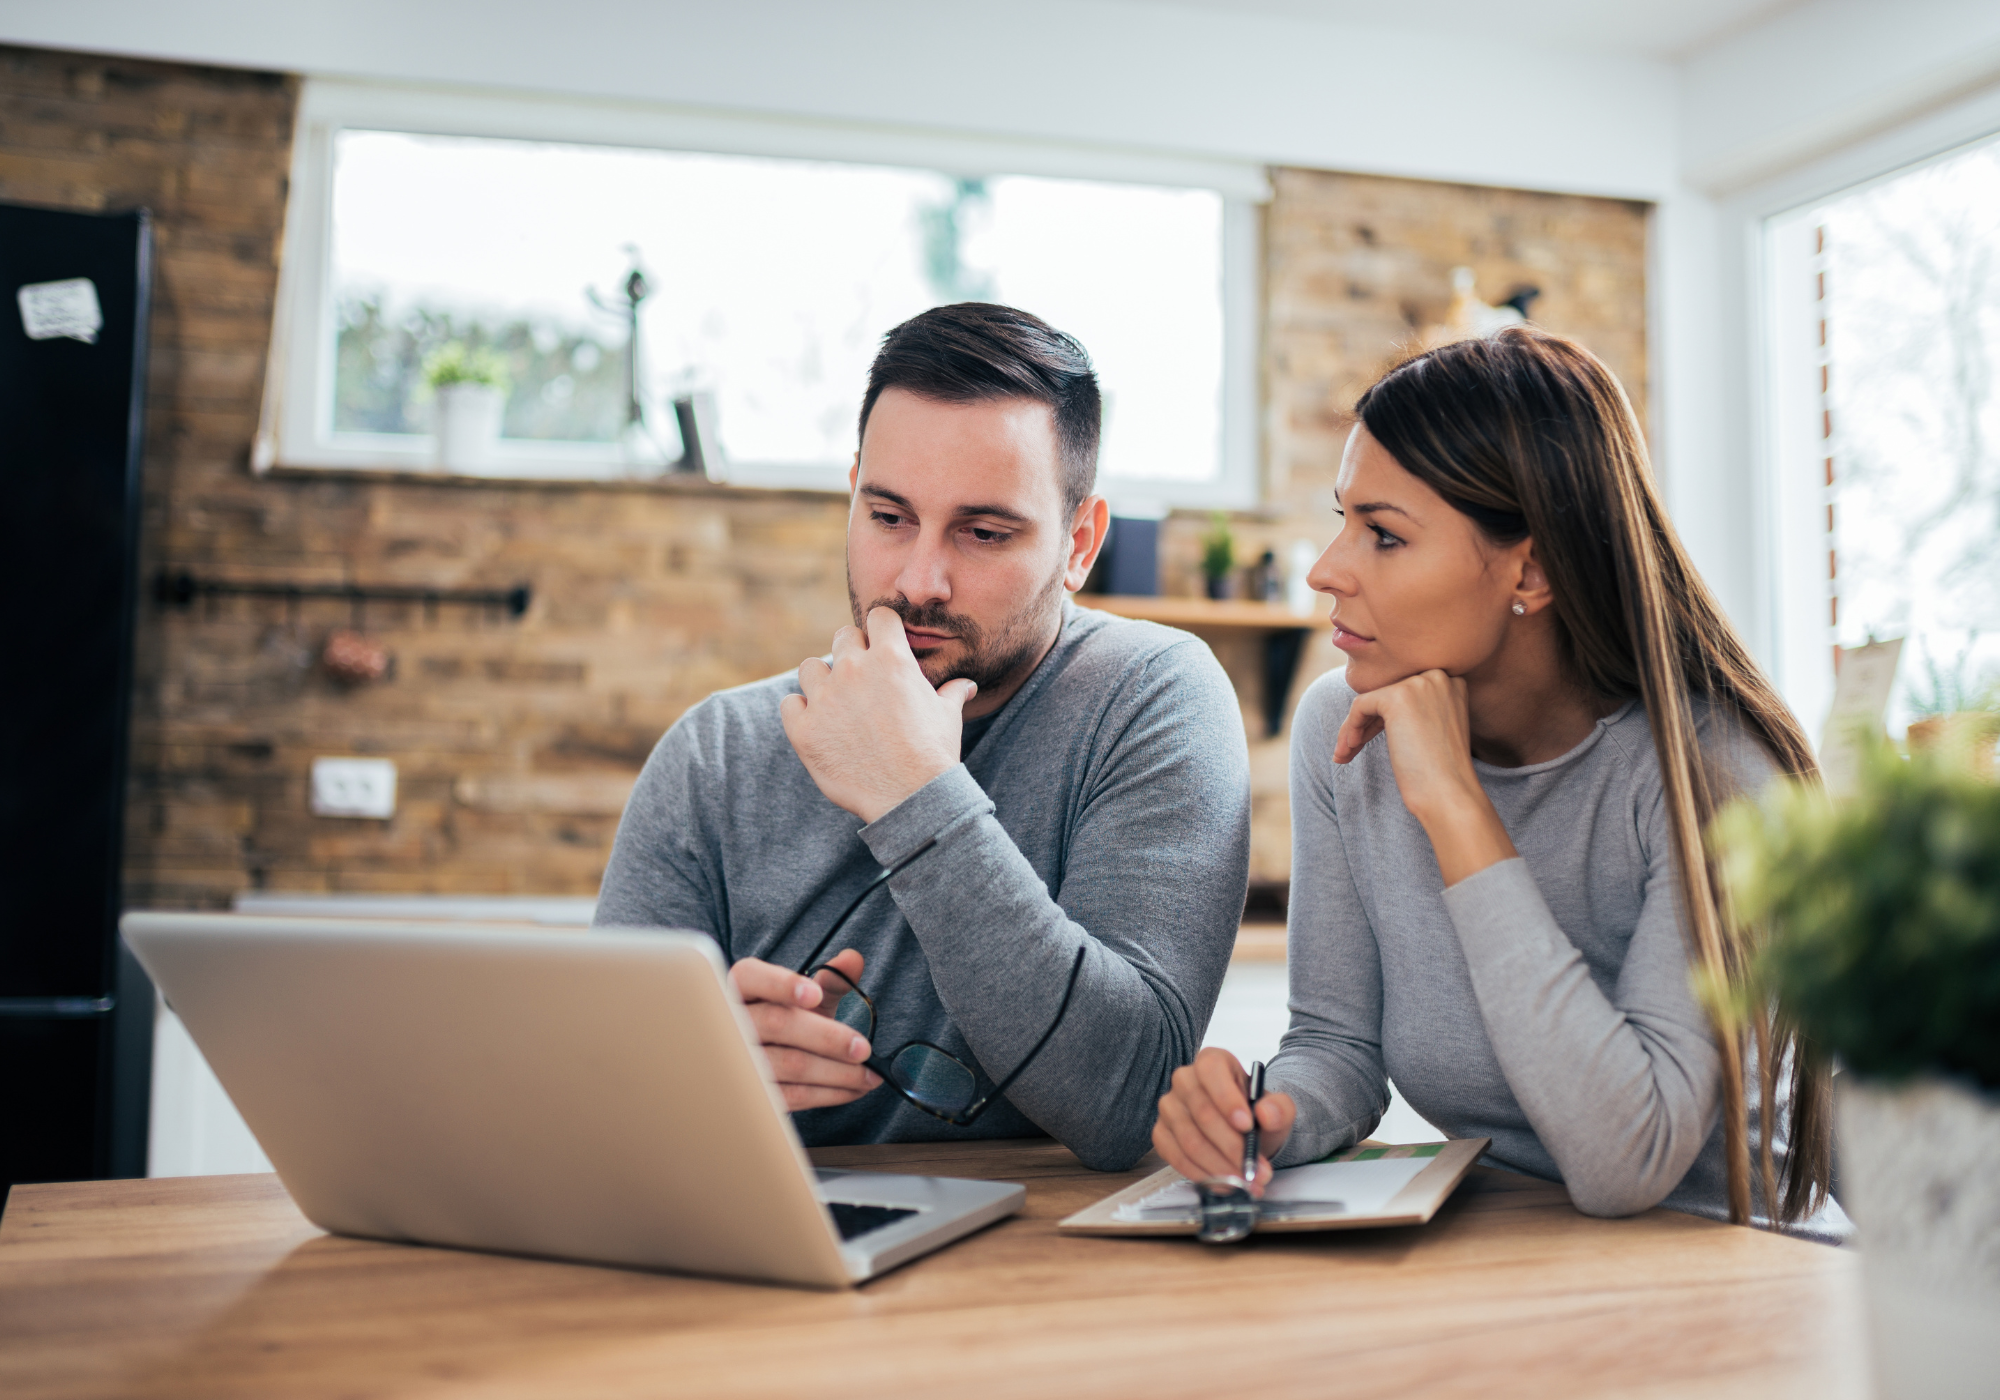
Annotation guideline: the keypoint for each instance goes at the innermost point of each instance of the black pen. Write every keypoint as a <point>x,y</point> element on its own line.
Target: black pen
<point>1250,1138</point>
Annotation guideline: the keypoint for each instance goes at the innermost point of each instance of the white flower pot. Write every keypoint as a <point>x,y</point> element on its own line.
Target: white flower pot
<point>468,426</point>
<point>1920,1175</point>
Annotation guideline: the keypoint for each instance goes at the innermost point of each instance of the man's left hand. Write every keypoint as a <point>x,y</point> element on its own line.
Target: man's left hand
<point>869,728</point>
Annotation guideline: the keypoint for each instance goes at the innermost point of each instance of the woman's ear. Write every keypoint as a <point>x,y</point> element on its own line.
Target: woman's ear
<point>1531,590</point>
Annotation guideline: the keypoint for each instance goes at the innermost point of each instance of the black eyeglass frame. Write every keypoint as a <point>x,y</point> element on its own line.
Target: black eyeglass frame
<point>967,1116</point>
<point>880,1064</point>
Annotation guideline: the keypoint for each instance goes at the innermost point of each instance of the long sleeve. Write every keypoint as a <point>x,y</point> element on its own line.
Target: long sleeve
<point>1330,1061</point>
<point>657,876</point>
<point>1621,1089</point>
<point>1150,885</point>
<point>1543,1003</point>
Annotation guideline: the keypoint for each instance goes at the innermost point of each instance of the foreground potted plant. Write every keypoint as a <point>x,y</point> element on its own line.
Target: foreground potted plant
<point>1881,916</point>
<point>470,387</point>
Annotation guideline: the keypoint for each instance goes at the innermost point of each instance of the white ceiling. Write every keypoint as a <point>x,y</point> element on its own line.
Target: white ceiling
<point>1628,28</point>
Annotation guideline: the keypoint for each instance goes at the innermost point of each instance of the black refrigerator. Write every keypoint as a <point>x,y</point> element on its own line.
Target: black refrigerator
<point>76,1014</point>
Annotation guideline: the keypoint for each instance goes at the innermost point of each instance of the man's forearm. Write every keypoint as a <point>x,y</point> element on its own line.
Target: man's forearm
<point>1000,949</point>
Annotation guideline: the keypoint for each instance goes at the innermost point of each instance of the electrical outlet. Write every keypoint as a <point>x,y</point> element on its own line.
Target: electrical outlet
<point>354,787</point>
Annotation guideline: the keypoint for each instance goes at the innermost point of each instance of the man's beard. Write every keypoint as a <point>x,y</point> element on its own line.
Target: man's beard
<point>990,662</point>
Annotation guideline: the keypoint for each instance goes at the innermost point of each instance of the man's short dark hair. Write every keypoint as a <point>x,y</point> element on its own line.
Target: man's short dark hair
<point>975,351</point>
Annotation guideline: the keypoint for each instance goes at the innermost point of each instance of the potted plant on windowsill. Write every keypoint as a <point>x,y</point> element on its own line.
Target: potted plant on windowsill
<point>470,389</point>
<point>1881,922</point>
<point>1218,555</point>
<point>1947,705</point>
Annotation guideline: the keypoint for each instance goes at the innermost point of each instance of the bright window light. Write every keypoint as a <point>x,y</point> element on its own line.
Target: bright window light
<point>773,282</point>
<point>1912,304</point>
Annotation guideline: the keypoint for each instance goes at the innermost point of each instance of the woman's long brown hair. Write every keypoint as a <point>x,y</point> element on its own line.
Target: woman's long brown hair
<point>1533,438</point>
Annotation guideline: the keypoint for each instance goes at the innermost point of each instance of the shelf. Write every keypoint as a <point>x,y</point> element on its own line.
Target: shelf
<point>1261,943</point>
<point>1284,634</point>
<point>1201,612</point>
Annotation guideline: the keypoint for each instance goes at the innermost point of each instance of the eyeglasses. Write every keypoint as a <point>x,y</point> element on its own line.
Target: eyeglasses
<point>926,1075</point>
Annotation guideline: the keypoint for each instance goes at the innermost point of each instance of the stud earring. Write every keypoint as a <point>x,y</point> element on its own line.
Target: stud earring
<point>1520,608</point>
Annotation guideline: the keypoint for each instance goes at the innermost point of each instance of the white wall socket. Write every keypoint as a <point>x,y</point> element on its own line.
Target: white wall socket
<point>354,787</point>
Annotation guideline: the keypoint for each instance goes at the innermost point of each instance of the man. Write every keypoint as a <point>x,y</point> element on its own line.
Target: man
<point>1042,779</point>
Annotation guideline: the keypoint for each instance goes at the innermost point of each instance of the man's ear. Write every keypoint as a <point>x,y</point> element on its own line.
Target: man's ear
<point>1086,540</point>
<point>854,472</point>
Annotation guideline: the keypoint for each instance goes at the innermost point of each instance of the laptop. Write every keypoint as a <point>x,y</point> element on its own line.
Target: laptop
<point>596,1096</point>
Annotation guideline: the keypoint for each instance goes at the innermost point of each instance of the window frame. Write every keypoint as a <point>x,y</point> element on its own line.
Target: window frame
<point>295,432</point>
<point>1789,495</point>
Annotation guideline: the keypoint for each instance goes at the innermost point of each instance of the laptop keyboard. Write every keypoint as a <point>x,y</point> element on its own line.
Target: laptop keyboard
<point>854,1221</point>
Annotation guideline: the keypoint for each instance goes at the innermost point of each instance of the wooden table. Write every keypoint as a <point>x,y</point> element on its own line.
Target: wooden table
<point>217,1287</point>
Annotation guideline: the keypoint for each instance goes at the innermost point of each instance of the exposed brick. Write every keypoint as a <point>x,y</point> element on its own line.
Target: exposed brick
<point>645,599</point>
<point>1357,267</point>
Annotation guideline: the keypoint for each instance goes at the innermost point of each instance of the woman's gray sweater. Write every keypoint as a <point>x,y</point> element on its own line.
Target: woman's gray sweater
<point>1544,1002</point>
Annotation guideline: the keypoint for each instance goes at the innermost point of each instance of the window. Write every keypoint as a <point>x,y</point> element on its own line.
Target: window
<point>769,280</point>
<point>1887,370</point>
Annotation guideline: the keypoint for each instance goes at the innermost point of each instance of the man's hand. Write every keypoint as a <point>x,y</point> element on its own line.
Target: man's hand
<point>815,1059</point>
<point>869,728</point>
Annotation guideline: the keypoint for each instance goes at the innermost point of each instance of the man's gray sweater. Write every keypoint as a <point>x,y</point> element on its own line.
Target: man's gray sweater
<point>1106,805</point>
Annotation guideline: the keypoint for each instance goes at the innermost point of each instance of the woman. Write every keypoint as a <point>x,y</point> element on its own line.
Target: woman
<point>1499,892</point>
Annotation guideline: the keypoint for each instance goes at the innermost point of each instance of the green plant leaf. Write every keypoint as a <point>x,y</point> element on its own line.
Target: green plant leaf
<point>1879,915</point>
<point>454,363</point>
<point>1218,547</point>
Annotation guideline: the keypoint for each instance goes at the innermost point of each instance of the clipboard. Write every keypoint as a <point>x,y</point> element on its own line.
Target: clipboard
<point>1413,1203</point>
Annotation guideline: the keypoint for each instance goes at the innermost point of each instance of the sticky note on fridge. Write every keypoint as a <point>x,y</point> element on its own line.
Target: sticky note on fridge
<point>67,308</point>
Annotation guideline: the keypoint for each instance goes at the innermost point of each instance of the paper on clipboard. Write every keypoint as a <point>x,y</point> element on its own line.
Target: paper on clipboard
<point>1361,1187</point>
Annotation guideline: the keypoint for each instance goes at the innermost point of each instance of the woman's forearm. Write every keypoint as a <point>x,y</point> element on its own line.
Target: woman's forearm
<point>1467,836</point>
<point>1621,1092</point>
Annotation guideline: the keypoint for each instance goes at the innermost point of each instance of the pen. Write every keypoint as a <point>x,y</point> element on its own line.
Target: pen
<point>1250,1138</point>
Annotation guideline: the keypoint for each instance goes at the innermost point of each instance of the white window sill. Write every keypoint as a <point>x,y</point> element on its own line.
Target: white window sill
<point>582,476</point>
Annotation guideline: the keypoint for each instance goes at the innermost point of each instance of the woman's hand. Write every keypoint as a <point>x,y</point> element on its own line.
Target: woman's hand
<point>1204,1116</point>
<point>1430,750</point>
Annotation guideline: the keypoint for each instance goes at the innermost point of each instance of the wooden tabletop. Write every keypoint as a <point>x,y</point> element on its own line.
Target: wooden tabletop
<point>216,1287</point>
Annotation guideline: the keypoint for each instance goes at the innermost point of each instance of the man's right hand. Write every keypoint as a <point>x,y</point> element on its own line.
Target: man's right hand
<point>816,1059</point>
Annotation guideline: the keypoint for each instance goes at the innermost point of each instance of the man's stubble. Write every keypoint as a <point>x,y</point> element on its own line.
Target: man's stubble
<point>988,661</point>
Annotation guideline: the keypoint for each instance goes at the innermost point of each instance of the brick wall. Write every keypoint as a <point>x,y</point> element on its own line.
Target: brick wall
<point>517,741</point>
<point>1356,268</point>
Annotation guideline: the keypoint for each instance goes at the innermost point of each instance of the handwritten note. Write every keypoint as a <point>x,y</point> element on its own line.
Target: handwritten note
<point>51,310</point>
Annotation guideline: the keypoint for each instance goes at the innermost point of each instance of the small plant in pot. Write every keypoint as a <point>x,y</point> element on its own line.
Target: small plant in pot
<point>1949,706</point>
<point>1881,940</point>
<point>471,391</point>
<point>1218,555</point>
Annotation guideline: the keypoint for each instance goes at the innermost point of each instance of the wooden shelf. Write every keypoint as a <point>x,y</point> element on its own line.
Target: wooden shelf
<point>1201,612</point>
<point>1284,633</point>
<point>1262,943</point>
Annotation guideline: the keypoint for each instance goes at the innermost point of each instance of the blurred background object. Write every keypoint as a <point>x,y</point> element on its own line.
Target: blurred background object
<point>352,659</point>
<point>76,1012</point>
